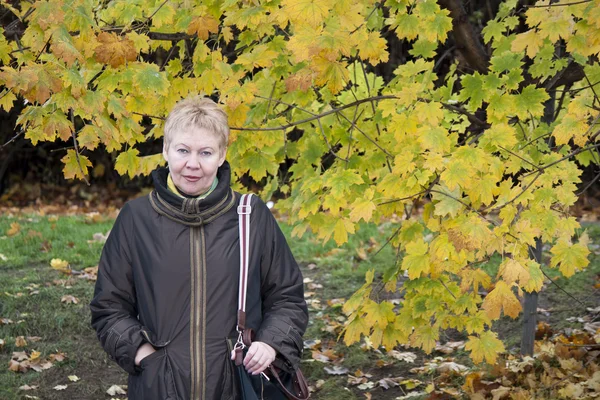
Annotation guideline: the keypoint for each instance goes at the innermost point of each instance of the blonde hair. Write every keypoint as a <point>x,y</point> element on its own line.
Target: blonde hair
<point>197,113</point>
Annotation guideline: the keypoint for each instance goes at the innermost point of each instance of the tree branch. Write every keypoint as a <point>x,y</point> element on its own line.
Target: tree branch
<point>465,37</point>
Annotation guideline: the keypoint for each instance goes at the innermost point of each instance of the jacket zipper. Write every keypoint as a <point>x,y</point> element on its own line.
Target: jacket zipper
<point>198,312</point>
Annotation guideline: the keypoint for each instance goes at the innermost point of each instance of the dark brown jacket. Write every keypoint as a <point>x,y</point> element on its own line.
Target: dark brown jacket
<point>169,274</point>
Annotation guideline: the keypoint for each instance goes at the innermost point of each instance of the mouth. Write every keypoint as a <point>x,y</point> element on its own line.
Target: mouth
<point>191,178</point>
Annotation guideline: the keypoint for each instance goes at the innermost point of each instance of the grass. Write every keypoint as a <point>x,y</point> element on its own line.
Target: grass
<point>31,293</point>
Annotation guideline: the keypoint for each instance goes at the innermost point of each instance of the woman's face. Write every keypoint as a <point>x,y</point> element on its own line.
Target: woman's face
<point>194,155</point>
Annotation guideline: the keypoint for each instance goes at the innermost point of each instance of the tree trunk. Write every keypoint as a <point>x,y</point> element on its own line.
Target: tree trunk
<point>530,307</point>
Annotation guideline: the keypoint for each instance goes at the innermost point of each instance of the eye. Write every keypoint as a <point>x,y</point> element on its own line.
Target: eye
<point>182,151</point>
<point>206,153</point>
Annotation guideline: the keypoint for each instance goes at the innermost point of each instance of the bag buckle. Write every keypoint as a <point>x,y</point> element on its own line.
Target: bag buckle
<point>243,210</point>
<point>239,344</point>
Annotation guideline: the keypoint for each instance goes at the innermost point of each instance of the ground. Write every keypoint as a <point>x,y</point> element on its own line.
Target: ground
<point>43,308</point>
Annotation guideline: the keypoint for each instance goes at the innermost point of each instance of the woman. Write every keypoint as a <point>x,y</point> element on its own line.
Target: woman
<point>166,297</point>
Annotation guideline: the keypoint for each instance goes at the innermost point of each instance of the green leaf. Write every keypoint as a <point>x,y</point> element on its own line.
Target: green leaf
<point>150,81</point>
<point>128,162</point>
<point>378,314</point>
<point>416,260</point>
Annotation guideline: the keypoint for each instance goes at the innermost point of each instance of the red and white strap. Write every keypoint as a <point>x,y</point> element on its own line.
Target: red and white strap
<point>244,209</point>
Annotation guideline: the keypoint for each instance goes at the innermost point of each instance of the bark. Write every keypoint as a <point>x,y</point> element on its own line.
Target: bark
<point>465,37</point>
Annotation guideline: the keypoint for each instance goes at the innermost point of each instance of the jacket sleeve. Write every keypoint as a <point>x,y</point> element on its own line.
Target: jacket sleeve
<point>114,309</point>
<point>285,315</point>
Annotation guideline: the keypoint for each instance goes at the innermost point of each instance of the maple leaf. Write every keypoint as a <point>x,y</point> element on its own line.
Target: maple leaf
<point>74,168</point>
<point>354,330</point>
<point>330,72</point>
<point>378,314</point>
<point>425,337</point>
<point>416,260</point>
<point>128,162</point>
<point>63,47</point>
<point>501,298</point>
<point>485,347</point>
<point>56,123</point>
<point>309,12</point>
<point>373,48</point>
<point>570,257</point>
<point>259,57</point>
<point>362,208</point>
<point>202,26</point>
<point>114,50</point>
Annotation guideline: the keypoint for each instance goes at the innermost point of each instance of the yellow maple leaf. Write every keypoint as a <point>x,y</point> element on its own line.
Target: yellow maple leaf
<point>202,26</point>
<point>512,271</point>
<point>128,162</point>
<point>114,50</point>
<point>501,298</point>
<point>73,168</point>
<point>485,347</point>
<point>259,57</point>
<point>474,277</point>
<point>330,72</point>
<point>425,337</point>
<point>530,40</point>
<point>373,47</point>
<point>306,12</point>
<point>60,265</point>
<point>569,257</point>
<point>416,260</point>
<point>355,328</point>
<point>363,207</point>
<point>378,314</point>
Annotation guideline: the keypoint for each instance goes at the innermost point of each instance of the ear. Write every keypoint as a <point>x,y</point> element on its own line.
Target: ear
<point>165,152</point>
<point>223,154</point>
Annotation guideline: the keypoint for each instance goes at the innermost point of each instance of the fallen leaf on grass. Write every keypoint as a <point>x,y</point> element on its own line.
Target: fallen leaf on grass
<point>366,385</point>
<point>60,265</point>
<point>387,383</point>
<point>60,387</point>
<point>34,338</point>
<point>73,378</point>
<point>336,370</point>
<point>312,343</point>
<point>27,387</point>
<point>1,343</point>
<point>402,356</point>
<point>57,357</point>
<point>451,366</point>
<point>69,299</point>
<point>3,257</point>
<point>98,238</point>
<point>14,229</point>
<point>115,390</point>
<point>20,341</point>
<point>449,347</point>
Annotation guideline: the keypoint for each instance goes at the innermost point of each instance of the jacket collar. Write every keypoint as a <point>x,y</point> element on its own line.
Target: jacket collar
<point>192,211</point>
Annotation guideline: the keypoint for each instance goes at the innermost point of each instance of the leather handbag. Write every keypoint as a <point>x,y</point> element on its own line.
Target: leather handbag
<point>273,384</point>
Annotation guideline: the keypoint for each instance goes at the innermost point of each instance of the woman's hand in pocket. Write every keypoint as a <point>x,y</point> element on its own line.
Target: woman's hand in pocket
<point>143,351</point>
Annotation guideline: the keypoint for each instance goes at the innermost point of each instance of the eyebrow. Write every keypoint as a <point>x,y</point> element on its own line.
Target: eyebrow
<point>201,148</point>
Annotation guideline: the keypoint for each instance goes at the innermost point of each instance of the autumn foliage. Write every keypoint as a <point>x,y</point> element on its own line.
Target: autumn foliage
<point>485,122</point>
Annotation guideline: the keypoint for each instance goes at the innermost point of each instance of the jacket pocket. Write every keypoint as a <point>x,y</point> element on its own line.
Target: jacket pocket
<point>155,382</point>
<point>229,379</point>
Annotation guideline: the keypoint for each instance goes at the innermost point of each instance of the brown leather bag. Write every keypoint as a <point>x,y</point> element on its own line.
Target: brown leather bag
<point>297,389</point>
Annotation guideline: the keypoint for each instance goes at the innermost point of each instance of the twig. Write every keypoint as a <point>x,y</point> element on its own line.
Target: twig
<point>518,156</point>
<point>76,147</point>
<point>387,153</point>
<point>561,289</point>
<point>559,5</point>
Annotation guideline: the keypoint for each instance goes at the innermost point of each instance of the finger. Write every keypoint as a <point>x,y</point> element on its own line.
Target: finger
<point>261,364</point>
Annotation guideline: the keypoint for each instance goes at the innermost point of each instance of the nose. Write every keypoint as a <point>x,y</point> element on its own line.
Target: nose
<point>193,162</point>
